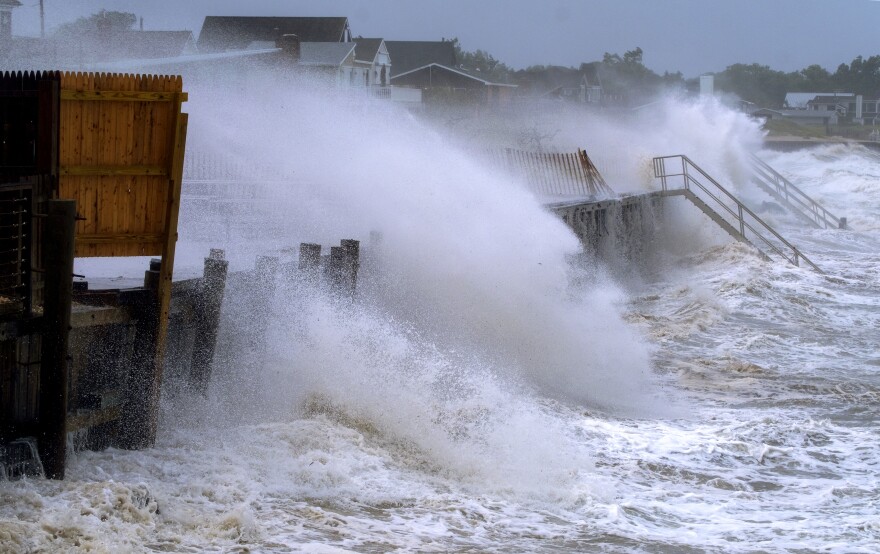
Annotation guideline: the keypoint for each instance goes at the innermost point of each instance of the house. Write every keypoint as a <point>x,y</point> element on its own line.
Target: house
<point>328,63</point>
<point>373,59</point>
<point>431,67</point>
<point>413,54</point>
<point>154,44</point>
<point>88,49</point>
<point>798,100</point>
<point>440,83</point>
<point>801,117</point>
<point>6,7</point>
<point>332,61</point>
<point>559,83</point>
<point>854,106</point>
<point>226,33</point>
<point>833,103</point>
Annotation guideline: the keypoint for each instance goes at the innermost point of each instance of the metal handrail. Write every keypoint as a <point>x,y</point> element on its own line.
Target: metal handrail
<point>795,197</point>
<point>741,209</point>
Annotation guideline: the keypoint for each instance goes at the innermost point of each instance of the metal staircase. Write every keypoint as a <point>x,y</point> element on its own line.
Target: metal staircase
<point>724,208</point>
<point>780,188</point>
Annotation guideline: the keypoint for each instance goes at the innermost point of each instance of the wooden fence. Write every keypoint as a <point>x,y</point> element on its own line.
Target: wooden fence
<point>93,162</point>
<point>555,174</point>
<point>121,158</point>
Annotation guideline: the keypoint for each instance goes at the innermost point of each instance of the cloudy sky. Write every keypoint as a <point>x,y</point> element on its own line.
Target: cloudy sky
<point>691,36</point>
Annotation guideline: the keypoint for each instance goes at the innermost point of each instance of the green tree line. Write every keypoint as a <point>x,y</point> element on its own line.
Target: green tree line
<point>627,76</point>
<point>767,87</point>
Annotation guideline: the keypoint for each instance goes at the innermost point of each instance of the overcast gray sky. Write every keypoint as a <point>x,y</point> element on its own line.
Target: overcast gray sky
<point>692,36</point>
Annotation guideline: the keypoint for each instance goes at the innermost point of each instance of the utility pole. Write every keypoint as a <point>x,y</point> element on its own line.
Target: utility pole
<point>42,21</point>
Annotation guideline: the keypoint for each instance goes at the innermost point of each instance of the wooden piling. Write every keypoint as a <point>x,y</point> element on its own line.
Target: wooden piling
<point>351,265</point>
<point>309,262</point>
<point>208,319</point>
<point>266,270</point>
<point>138,420</point>
<point>58,247</point>
<point>335,270</point>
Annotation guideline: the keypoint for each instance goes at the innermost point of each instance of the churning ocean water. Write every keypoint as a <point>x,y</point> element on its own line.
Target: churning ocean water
<point>480,402</point>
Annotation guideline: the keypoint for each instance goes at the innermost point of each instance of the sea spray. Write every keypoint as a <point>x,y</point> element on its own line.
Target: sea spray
<point>468,326</point>
<point>468,258</point>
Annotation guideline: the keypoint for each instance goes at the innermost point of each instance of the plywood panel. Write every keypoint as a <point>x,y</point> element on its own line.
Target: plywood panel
<point>117,149</point>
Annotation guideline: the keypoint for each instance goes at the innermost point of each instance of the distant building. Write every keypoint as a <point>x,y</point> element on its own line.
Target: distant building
<point>559,83</point>
<point>799,100</point>
<point>6,7</point>
<point>80,52</point>
<point>833,103</point>
<point>801,117</point>
<point>335,61</point>
<point>412,54</point>
<point>372,58</point>
<point>446,84</point>
<point>229,33</point>
<point>431,67</point>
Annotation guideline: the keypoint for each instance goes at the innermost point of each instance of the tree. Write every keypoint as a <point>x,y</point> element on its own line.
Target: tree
<point>816,78</point>
<point>482,63</point>
<point>861,76</point>
<point>626,76</point>
<point>103,21</point>
<point>758,83</point>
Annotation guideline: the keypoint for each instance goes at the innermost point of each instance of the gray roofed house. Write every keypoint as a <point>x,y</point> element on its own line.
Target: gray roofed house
<point>832,99</point>
<point>367,48</point>
<point>407,55</point>
<point>155,44</point>
<point>373,58</point>
<point>87,49</point>
<point>799,100</point>
<point>223,33</point>
<point>442,84</point>
<point>6,18</point>
<point>325,54</point>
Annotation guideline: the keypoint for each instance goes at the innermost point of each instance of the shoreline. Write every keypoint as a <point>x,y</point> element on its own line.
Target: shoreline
<point>792,143</point>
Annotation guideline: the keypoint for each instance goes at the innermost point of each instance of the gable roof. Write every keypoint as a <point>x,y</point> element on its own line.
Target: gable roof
<point>461,72</point>
<point>325,53</point>
<point>156,44</point>
<point>367,48</point>
<point>407,55</point>
<point>236,33</point>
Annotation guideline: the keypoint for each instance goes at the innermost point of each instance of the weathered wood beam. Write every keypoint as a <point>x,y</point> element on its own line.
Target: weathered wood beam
<point>114,170</point>
<point>93,418</point>
<point>109,238</point>
<point>123,96</point>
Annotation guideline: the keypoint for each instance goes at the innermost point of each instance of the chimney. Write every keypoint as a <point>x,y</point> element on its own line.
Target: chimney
<point>142,23</point>
<point>290,44</point>
<point>5,23</point>
<point>104,27</point>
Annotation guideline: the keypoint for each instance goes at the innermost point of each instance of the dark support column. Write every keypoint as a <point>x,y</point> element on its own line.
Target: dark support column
<point>58,246</point>
<point>309,262</point>
<point>351,248</point>
<point>136,430</point>
<point>265,270</point>
<point>335,270</point>
<point>208,319</point>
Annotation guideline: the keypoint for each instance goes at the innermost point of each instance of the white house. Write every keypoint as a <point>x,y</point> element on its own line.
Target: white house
<point>371,56</point>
